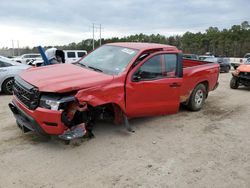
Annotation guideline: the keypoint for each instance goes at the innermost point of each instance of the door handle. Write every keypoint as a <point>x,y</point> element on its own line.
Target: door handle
<point>175,85</point>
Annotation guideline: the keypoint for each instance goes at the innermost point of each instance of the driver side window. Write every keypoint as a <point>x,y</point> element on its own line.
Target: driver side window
<point>150,70</point>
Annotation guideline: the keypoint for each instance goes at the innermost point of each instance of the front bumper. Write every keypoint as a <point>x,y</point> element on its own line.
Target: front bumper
<point>39,120</point>
<point>244,80</point>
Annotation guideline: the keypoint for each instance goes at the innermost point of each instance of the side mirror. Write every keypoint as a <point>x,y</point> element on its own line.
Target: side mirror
<point>136,77</point>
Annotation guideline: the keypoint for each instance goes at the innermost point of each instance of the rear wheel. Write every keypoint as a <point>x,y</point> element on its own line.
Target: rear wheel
<point>8,86</point>
<point>234,83</point>
<point>197,98</point>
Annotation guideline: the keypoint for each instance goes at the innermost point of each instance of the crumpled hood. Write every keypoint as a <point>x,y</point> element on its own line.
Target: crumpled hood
<point>64,78</point>
<point>244,68</point>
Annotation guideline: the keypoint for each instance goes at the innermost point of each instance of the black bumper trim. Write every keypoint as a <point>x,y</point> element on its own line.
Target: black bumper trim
<point>24,121</point>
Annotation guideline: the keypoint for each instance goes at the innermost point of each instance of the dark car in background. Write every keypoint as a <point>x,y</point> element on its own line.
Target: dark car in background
<point>190,56</point>
<point>224,62</point>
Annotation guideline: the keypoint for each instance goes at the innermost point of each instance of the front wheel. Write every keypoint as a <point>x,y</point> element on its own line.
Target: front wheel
<point>8,86</point>
<point>197,98</point>
<point>234,83</point>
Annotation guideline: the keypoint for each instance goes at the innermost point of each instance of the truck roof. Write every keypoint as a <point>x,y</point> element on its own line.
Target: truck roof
<point>144,46</point>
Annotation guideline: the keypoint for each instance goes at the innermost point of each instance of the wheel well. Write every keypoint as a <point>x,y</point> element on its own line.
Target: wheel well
<point>205,83</point>
<point>5,81</point>
<point>115,109</point>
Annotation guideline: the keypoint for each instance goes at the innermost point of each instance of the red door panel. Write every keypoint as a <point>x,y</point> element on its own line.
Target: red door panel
<point>156,97</point>
<point>154,92</point>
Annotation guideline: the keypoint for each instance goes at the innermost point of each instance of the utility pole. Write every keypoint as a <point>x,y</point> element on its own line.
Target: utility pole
<point>18,50</point>
<point>100,29</point>
<point>13,51</point>
<point>100,34</point>
<point>93,36</point>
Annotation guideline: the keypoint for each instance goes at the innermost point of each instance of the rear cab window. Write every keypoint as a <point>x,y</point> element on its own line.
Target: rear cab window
<point>170,64</point>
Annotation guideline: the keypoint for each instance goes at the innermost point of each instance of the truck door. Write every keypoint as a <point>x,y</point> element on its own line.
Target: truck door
<point>152,87</point>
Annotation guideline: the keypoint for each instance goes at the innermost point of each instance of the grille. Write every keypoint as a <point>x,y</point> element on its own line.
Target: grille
<point>29,96</point>
<point>245,75</point>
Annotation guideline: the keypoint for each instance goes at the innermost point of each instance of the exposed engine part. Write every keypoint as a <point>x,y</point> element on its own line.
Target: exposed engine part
<point>76,115</point>
<point>75,132</point>
<point>79,119</point>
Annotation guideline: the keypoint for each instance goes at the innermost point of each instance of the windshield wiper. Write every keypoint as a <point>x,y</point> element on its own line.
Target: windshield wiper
<point>96,69</point>
<point>82,65</point>
<point>90,67</point>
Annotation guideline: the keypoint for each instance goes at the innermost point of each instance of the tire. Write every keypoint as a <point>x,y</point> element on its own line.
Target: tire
<point>234,83</point>
<point>227,69</point>
<point>197,98</point>
<point>7,86</point>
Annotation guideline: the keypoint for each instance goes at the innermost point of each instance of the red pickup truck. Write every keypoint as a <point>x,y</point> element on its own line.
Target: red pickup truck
<point>116,81</point>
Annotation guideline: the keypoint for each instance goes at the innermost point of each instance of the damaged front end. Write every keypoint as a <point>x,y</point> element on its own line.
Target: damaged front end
<point>61,114</point>
<point>77,117</point>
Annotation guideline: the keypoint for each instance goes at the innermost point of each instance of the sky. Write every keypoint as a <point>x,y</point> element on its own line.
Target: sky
<point>58,22</point>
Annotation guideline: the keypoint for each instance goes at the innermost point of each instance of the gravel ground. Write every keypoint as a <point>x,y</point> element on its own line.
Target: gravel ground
<point>209,148</point>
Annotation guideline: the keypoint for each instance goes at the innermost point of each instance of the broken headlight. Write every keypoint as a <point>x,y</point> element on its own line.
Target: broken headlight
<point>54,102</point>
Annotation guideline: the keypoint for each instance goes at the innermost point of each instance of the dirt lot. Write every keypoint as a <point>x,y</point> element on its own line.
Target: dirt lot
<point>210,148</point>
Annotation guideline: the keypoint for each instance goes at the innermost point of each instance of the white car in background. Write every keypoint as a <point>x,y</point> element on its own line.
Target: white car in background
<point>72,56</point>
<point>25,58</point>
<point>8,70</point>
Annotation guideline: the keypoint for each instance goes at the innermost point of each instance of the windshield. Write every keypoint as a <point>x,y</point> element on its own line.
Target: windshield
<point>109,59</point>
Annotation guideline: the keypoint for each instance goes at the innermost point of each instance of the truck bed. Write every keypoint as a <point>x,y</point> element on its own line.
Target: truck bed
<point>186,63</point>
<point>195,72</point>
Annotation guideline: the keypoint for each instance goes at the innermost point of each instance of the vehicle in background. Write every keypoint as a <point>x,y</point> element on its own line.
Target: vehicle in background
<point>72,56</point>
<point>25,58</point>
<point>236,62</point>
<point>247,55</point>
<point>117,81</point>
<point>202,57</point>
<point>241,76</point>
<point>191,56</point>
<point>8,70</point>
<point>223,62</point>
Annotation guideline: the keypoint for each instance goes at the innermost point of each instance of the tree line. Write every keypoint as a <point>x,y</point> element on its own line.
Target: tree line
<point>232,42</point>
